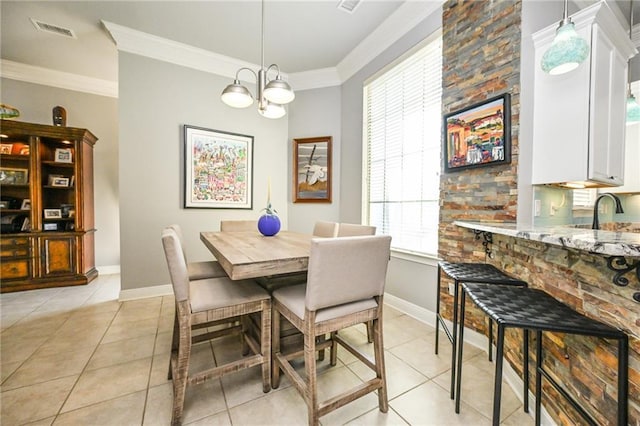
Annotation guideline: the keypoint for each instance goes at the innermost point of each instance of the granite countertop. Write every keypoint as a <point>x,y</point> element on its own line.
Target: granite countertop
<point>608,243</point>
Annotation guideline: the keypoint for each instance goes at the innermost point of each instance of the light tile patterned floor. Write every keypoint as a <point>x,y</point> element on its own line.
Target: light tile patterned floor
<point>77,356</point>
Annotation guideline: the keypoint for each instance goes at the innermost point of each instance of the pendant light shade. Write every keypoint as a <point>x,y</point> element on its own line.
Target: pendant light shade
<point>633,110</point>
<point>568,49</point>
<point>271,110</point>
<point>279,91</point>
<point>237,96</point>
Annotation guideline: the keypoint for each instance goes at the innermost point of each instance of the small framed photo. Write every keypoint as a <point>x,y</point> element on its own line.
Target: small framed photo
<point>60,181</point>
<point>10,176</point>
<point>52,214</point>
<point>4,204</point>
<point>63,155</point>
<point>50,226</point>
<point>6,148</point>
<point>26,204</point>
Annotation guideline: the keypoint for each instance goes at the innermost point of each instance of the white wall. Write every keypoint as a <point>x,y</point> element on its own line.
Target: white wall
<point>315,113</point>
<point>156,100</point>
<point>99,115</point>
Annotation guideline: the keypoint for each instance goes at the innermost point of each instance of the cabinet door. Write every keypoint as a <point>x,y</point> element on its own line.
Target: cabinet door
<point>57,256</point>
<point>606,136</point>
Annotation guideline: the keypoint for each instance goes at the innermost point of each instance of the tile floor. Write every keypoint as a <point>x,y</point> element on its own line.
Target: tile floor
<point>77,356</point>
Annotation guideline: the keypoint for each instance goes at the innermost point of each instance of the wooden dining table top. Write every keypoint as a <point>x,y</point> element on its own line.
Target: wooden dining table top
<point>249,254</point>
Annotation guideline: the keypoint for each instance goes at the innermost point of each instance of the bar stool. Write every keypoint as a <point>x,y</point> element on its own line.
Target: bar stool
<point>472,273</point>
<point>533,309</point>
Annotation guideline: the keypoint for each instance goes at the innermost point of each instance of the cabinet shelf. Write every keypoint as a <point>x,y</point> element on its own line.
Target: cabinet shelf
<point>12,157</point>
<point>14,211</point>
<point>58,187</point>
<point>58,164</point>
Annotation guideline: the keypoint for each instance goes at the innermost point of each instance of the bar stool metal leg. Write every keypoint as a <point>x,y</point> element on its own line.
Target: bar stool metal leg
<point>525,369</point>
<point>454,340</point>
<point>623,380</point>
<point>459,366</point>
<point>538,375</point>
<point>438,308</point>
<point>497,387</point>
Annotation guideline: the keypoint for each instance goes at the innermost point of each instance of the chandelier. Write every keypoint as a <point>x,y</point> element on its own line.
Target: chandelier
<point>272,95</point>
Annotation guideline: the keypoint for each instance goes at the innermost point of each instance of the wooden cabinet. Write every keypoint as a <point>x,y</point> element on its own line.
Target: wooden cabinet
<point>579,117</point>
<point>47,213</point>
<point>631,159</point>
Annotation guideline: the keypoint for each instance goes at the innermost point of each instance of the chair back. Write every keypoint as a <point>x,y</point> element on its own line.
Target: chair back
<point>238,225</point>
<point>176,228</point>
<point>352,229</point>
<point>344,270</point>
<point>176,263</point>
<point>325,229</point>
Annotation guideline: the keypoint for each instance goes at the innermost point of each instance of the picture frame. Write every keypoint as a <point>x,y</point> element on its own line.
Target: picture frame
<point>60,182</point>
<point>24,150</point>
<point>218,169</point>
<point>312,170</point>
<point>26,204</point>
<point>11,176</point>
<point>63,155</point>
<point>50,226</point>
<point>52,214</point>
<point>478,135</point>
<point>6,148</point>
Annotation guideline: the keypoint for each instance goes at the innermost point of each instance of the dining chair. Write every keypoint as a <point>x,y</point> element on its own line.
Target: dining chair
<point>345,286</point>
<point>238,225</point>
<point>203,303</point>
<point>352,230</point>
<point>325,229</point>
<point>199,270</point>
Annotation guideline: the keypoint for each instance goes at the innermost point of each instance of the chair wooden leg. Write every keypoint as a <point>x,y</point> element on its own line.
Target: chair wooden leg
<point>265,345</point>
<point>378,350</point>
<point>244,321</point>
<point>310,370</point>
<point>333,360</point>
<point>174,342</point>
<point>180,374</point>
<point>275,347</point>
<point>369,325</point>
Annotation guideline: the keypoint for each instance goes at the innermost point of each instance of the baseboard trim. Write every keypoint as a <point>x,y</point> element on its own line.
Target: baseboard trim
<point>145,292</point>
<point>108,269</point>
<point>478,340</point>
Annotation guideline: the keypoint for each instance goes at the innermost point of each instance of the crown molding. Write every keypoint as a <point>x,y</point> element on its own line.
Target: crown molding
<point>399,23</point>
<point>162,49</point>
<point>315,79</point>
<point>63,80</point>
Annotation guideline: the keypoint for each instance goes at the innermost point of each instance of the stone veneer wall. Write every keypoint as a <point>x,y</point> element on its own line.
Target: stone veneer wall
<point>481,42</point>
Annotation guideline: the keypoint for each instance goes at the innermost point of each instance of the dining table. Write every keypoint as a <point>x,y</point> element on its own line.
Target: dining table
<point>249,254</point>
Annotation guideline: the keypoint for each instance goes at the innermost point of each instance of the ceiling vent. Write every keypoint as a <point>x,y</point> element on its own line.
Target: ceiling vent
<point>53,29</point>
<point>348,6</point>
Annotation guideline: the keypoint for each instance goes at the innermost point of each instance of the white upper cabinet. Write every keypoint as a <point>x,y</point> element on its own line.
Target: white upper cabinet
<point>579,117</point>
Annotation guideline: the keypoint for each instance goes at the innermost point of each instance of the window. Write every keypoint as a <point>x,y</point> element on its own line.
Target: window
<point>402,122</point>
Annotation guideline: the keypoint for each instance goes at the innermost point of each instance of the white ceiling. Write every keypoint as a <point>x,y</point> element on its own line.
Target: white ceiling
<point>300,35</point>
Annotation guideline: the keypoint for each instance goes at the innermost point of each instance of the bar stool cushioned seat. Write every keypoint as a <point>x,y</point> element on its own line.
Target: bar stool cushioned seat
<point>199,270</point>
<point>534,309</point>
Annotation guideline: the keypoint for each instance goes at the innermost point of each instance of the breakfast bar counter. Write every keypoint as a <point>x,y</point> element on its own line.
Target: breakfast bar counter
<point>607,243</point>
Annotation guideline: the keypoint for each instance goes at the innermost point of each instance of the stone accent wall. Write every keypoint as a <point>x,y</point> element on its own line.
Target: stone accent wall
<point>481,42</point>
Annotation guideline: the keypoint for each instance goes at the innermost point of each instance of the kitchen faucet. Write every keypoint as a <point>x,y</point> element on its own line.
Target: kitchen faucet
<point>596,223</point>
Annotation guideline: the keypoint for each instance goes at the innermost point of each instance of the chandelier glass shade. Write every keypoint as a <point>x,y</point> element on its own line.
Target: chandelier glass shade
<point>272,95</point>
<point>568,49</point>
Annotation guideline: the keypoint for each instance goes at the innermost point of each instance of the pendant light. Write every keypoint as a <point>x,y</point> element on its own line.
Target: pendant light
<point>633,109</point>
<point>272,95</point>
<point>567,50</point>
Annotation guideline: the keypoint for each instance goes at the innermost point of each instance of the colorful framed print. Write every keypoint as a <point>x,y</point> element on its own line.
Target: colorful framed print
<point>218,169</point>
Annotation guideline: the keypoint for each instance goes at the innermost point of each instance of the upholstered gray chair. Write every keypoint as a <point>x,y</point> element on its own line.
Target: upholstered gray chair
<point>203,303</point>
<point>238,225</point>
<point>199,270</point>
<point>353,229</point>
<point>325,229</point>
<point>345,286</point>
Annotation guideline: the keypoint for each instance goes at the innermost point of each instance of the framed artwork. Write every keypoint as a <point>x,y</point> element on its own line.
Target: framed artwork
<point>11,176</point>
<point>312,170</point>
<point>63,155</point>
<point>60,181</point>
<point>218,169</point>
<point>479,135</point>
<point>26,204</point>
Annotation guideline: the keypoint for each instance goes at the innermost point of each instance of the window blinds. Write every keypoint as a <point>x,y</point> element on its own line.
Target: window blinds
<point>402,145</point>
